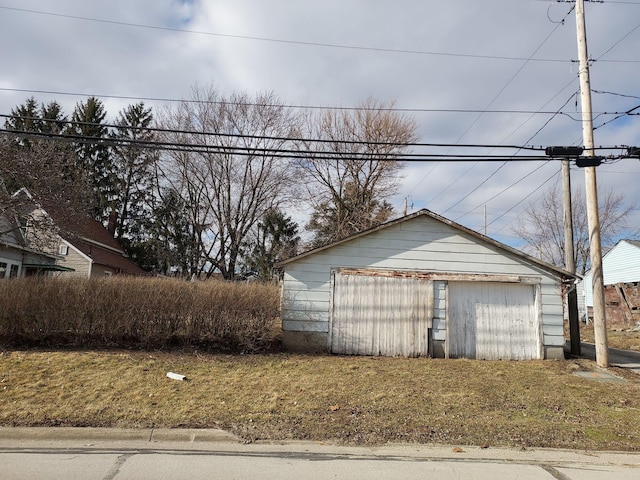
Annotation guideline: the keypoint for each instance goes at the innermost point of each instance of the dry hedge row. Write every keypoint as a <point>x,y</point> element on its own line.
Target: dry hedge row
<point>134,312</point>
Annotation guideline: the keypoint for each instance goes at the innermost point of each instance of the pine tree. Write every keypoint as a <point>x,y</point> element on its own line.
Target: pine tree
<point>87,123</point>
<point>133,171</point>
<point>276,239</point>
<point>52,119</point>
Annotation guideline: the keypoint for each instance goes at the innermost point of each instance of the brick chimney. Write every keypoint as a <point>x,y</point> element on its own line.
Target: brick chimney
<point>113,220</point>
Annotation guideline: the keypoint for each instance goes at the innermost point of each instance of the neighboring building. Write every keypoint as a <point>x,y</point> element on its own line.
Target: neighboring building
<point>423,285</point>
<point>92,253</point>
<point>95,253</point>
<point>16,258</point>
<point>17,261</point>
<point>621,264</point>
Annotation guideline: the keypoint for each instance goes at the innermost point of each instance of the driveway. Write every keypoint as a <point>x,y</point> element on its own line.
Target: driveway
<point>617,358</point>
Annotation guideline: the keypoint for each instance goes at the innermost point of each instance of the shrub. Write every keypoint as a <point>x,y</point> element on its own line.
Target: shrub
<point>138,312</point>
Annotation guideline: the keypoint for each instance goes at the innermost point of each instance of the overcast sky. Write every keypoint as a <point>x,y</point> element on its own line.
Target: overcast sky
<point>488,73</point>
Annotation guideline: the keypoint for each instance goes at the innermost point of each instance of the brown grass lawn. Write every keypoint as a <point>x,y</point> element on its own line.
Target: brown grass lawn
<point>354,400</point>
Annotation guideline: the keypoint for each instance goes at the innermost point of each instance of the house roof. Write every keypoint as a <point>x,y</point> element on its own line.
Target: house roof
<point>424,212</point>
<point>93,231</point>
<point>98,244</point>
<point>109,258</point>
<point>28,250</point>
<point>635,243</point>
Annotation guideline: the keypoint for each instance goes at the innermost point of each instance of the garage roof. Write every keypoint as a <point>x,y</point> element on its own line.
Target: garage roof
<point>424,212</point>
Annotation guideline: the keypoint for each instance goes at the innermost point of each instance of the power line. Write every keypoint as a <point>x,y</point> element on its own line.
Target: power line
<point>255,137</point>
<point>279,152</point>
<point>275,40</point>
<point>524,64</point>
<point>294,106</point>
<point>504,190</point>
<point>524,198</point>
<point>602,92</point>
<point>294,42</point>
<point>252,151</point>
<point>505,163</point>
<point>618,41</point>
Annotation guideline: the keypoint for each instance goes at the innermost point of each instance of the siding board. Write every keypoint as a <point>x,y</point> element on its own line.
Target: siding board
<point>492,321</point>
<point>381,315</point>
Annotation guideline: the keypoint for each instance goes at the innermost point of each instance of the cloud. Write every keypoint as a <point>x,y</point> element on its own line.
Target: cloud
<point>512,59</point>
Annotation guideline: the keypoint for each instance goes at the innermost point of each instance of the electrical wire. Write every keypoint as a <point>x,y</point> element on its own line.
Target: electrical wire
<point>524,198</point>
<point>252,151</point>
<point>505,163</point>
<point>504,190</point>
<point>260,137</point>
<point>290,42</point>
<point>280,41</point>
<point>553,31</point>
<point>292,106</point>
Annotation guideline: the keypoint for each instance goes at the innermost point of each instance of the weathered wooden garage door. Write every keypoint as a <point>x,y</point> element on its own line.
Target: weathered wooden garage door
<point>379,315</point>
<point>493,321</point>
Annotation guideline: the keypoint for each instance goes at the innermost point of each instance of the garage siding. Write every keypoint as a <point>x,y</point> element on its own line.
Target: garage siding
<point>493,321</point>
<point>374,315</point>
<point>419,244</point>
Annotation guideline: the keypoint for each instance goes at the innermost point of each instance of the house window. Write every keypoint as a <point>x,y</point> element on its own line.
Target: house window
<point>3,269</point>
<point>24,226</point>
<point>13,273</point>
<point>63,249</point>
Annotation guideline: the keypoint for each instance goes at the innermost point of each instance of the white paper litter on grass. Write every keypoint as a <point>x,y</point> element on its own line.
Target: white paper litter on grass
<point>176,376</point>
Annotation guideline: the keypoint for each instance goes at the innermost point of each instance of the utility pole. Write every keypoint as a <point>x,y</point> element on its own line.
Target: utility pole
<point>569,262</point>
<point>595,245</point>
<point>485,220</point>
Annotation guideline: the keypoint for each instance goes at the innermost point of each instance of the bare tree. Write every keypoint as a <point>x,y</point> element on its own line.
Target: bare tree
<point>41,178</point>
<point>233,175</point>
<point>541,226</point>
<point>353,168</point>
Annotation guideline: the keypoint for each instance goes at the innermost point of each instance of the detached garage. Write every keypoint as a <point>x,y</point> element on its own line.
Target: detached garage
<point>423,285</point>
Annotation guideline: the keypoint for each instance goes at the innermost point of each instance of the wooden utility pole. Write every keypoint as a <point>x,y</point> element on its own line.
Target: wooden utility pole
<point>569,261</point>
<point>595,245</point>
<point>485,220</point>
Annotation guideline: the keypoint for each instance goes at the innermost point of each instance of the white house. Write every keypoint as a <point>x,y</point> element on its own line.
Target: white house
<point>17,259</point>
<point>621,264</point>
<point>423,285</point>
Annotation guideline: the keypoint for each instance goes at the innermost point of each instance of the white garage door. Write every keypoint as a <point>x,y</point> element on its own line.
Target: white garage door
<point>378,315</point>
<point>493,321</point>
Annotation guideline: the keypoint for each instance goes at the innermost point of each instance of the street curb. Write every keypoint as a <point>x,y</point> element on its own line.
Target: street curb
<point>19,439</point>
<point>51,434</point>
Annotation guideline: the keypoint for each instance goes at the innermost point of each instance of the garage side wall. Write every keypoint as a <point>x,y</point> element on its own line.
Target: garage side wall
<point>421,244</point>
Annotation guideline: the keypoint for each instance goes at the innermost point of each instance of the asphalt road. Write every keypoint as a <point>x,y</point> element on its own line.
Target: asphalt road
<point>617,358</point>
<point>105,454</point>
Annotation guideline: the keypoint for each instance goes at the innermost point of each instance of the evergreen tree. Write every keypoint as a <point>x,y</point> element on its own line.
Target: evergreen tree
<point>133,171</point>
<point>168,246</point>
<point>52,119</point>
<point>356,210</point>
<point>87,122</point>
<point>24,117</point>
<point>276,239</point>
